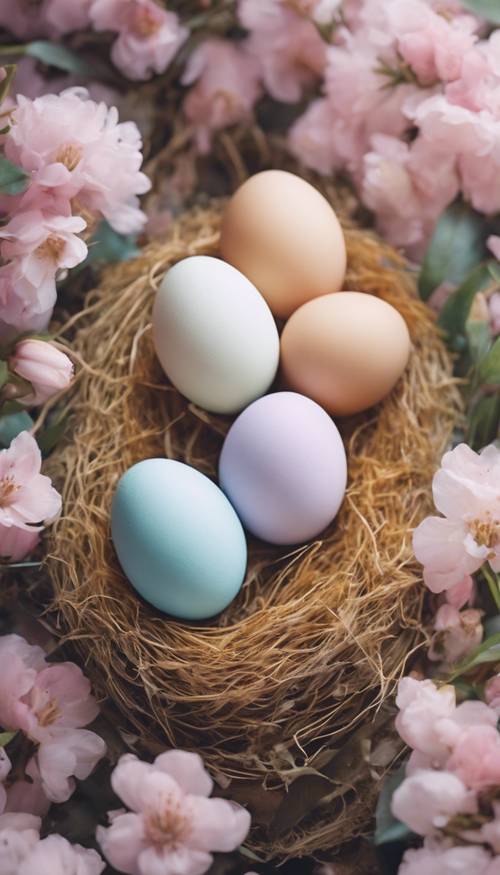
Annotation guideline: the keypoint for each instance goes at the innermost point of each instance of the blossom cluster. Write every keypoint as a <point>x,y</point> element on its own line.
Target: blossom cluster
<point>171,825</point>
<point>405,97</point>
<point>28,501</point>
<point>146,36</point>
<point>411,109</point>
<point>81,165</point>
<point>49,704</point>
<point>447,793</point>
<point>461,542</point>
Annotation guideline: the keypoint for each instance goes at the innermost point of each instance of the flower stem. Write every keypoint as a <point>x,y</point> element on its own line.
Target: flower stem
<point>13,49</point>
<point>493,582</point>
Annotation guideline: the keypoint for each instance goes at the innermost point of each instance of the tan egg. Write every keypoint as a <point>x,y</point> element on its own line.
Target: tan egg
<point>282,234</point>
<point>345,351</point>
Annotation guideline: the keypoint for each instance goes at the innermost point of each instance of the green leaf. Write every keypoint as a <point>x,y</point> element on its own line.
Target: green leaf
<point>484,422</point>
<point>4,373</point>
<point>489,370</point>
<point>488,651</point>
<point>457,246</point>
<point>12,425</point>
<point>6,738</point>
<point>454,315</point>
<point>50,437</point>
<point>10,69</point>
<point>108,246</point>
<point>387,827</point>
<point>488,9</point>
<point>55,55</point>
<point>13,180</point>
<point>479,339</point>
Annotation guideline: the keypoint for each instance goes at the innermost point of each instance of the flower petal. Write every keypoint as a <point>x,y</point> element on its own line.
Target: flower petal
<point>187,770</point>
<point>219,824</point>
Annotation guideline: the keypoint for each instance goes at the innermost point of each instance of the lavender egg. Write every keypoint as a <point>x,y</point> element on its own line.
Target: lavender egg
<point>283,467</point>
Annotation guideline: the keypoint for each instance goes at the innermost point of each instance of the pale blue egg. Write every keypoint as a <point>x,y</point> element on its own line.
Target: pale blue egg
<point>178,539</point>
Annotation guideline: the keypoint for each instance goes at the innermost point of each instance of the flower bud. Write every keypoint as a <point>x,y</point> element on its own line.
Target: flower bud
<point>47,369</point>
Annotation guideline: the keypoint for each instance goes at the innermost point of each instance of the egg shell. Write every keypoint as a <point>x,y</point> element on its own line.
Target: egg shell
<point>178,539</point>
<point>284,236</point>
<point>214,334</point>
<point>346,351</point>
<point>283,467</point>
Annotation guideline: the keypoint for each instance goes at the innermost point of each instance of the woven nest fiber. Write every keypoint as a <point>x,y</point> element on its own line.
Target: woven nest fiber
<point>273,691</point>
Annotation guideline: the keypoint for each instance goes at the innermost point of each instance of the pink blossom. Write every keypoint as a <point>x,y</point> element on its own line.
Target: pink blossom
<point>173,827</point>
<point>476,86</point>
<point>47,368</point>
<point>63,17</point>
<point>360,99</point>
<point>27,497</point>
<point>227,87</point>
<point>55,856</point>
<point>476,757</point>
<point>407,187</point>
<point>470,137</point>
<point>421,706</point>
<point>432,45</point>
<point>77,151</point>
<point>50,703</point>
<point>23,306</point>
<point>426,800</point>
<point>457,633</point>
<point>287,45</point>
<point>430,722</point>
<point>470,713</point>
<point>52,713</point>
<point>149,36</point>
<point>16,543</point>
<point>460,594</point>
<point>19,834</point>
<point>466,491</point>
<point>24,662</point>
<point>442,858</point>
<point>43,244</point>
<point>48,18</point>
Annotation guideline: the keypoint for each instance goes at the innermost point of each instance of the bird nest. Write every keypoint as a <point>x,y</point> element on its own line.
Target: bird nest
<point>282,693</point>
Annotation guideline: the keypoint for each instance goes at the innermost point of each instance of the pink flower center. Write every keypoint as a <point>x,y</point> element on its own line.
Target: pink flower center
<point>169,825</point>
<point>69,154</point>
<point>8,488</point>
<point>486,532</point>
<point>144,23</point>
<point>51,249</point>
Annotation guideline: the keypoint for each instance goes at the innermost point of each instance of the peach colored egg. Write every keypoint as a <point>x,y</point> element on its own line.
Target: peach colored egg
<point>282,234</point>
<point>345,351</point>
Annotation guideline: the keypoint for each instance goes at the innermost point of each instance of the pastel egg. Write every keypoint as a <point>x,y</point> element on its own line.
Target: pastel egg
<point>283,467</point>
<point>214,334</point>
<point>346,351</point>
<point>178,539</point>
<point>284,236</point>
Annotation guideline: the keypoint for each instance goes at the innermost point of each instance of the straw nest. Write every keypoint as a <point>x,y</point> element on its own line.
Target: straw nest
<point>286,686</point>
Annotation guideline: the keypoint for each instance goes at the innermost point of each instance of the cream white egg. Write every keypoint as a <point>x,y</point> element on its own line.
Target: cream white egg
<point>214,334</point>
